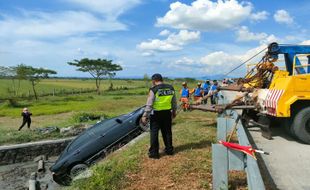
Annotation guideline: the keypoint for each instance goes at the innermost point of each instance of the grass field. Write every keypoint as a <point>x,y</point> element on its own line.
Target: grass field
<point>59,110</point>
<point>47,86</point>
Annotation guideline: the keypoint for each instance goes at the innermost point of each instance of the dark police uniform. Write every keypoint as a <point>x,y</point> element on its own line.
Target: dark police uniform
<point>160,102</point>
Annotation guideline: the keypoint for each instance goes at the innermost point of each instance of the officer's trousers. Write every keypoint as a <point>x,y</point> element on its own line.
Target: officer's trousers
<point>161,120</point>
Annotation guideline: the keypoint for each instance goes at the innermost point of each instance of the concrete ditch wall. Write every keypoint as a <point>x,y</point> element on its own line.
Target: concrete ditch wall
<point>11,154</point>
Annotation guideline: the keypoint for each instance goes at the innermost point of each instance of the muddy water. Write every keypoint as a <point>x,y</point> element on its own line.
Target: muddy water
<point>16,176</point>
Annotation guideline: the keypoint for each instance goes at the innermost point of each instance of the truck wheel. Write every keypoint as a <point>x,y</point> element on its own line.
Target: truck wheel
<point>301,125</point>
<point>288,125</point>
<point>78,169</point>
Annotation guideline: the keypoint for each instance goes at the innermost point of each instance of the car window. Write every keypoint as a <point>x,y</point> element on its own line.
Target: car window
<point>83,138</point>
<point>96,130</point>
<point>99,129</point>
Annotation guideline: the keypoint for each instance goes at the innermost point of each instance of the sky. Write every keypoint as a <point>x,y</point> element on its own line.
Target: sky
<point>175,38</point>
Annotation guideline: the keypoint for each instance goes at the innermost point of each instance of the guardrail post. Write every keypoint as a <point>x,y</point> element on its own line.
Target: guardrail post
<point>224,159</point>
<point>219,167</point>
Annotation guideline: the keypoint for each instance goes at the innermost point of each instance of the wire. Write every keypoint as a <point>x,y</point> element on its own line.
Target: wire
<point>245,62</point>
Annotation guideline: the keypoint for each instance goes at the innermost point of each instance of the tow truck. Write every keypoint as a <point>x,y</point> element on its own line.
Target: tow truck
<point>269,94</point>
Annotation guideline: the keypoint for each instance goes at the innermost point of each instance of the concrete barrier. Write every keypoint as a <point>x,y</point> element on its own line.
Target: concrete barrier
<point>10,154</point>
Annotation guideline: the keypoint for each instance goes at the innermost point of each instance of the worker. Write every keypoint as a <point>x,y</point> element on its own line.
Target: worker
<point>160,108</point>
<point>197,93</point>
<point>213,92</point>
<point>206,88</point>
<point>184,96</point>
<point>26,118</point>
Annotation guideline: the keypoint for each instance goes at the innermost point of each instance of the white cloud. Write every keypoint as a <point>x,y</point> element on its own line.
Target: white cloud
<point>183,37</point>
<point>283,17</point>
<point>220,62</point>
<point>158,45</point>
<point>148,54</point>
<point>112,9</point>
<point>251,52</point>
<point>271,38</point>
<point>164,33</point>
<point>185,64</point>
<point>244,35</point>
<point>259,16</point>
<point>185,61</point>
<point>88,16</point>
<point>57,24</point>
<point>205,15</point>
<point>173,42</point>
<point>306,42</point>
<point>219,58</point>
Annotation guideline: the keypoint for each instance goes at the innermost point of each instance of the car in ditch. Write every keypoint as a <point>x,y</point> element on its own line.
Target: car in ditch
<point>95,143</point>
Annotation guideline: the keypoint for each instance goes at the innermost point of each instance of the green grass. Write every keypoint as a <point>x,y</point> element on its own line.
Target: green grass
<point>59,110</point>
<point>56,105</point>
<point>193,133</point>
<point>47,86</point>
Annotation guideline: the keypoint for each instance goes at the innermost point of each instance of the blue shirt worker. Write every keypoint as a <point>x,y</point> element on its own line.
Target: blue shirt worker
<point>184,96</point>
<point>161,106</point>
<point>206,88</point>
<point>197,92</point>
<point>213,92</point>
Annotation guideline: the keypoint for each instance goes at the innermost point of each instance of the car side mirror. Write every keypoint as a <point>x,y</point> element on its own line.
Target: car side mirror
<point>118,121</point>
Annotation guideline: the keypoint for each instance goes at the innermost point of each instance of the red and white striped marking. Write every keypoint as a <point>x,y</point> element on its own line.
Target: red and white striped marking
<point>272,99</point>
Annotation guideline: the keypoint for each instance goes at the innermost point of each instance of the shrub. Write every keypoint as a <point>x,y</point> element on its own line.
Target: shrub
<point>11,102</point>
<point>86,116</point>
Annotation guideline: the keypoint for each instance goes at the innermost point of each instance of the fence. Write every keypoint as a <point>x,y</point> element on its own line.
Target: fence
<point>51,92</point>
<point>224,159</point>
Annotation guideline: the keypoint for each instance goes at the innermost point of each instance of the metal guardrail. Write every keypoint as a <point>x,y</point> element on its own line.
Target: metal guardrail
<point>225,159</point>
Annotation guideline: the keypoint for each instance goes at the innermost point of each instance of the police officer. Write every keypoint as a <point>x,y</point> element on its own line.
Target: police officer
<point>160,108</point>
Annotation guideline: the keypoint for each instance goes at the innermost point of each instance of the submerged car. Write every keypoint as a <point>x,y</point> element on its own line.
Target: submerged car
<point>95,142</point>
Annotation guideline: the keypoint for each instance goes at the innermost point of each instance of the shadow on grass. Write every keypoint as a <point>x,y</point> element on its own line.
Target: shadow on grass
<point>191,146</point>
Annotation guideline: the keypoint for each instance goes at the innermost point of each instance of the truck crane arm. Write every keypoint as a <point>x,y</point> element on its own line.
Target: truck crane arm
<point>289,52</point>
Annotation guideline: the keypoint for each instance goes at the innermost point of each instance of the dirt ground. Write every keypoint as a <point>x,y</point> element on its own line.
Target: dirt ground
<point>162,174</point>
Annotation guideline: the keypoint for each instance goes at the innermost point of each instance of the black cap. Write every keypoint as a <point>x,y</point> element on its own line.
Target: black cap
<point>157,77</point>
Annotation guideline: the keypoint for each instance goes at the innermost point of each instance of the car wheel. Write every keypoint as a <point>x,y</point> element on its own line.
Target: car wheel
<point>64,180</point>
<point>301,125</point>
<point>145,127</point>
<point>78,169</point>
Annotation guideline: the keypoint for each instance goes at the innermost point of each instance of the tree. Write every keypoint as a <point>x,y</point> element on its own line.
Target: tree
<point>146,79</point>
<point>97,68</point>
<point>10,73</point>
<point>33,75</point>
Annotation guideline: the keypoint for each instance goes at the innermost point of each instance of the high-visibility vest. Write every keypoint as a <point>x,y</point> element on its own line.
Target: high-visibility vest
<point>163,97</point>
<point>185,92</point>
